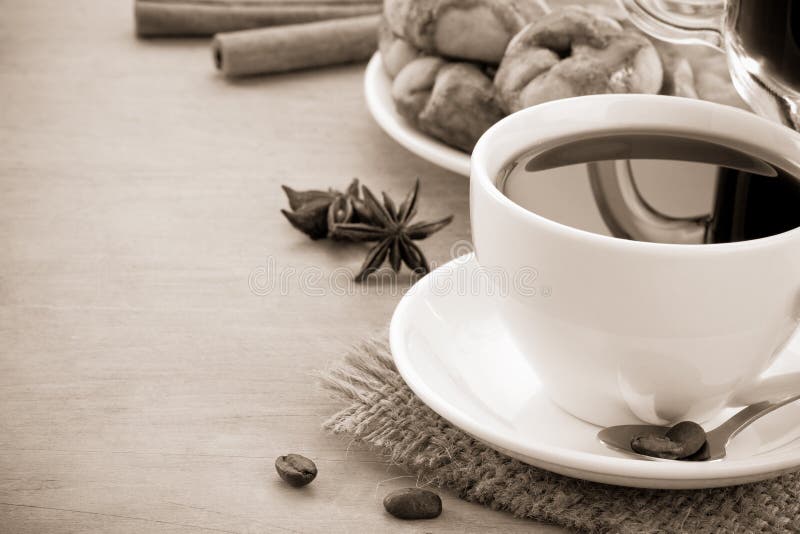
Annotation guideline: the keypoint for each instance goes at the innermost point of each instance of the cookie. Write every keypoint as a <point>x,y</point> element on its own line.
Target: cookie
<point>474,30</point>
<point>574,52</point>
<point>453,102</point>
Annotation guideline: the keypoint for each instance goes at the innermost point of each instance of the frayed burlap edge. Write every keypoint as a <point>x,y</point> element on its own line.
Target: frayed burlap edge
<point>381,411</point>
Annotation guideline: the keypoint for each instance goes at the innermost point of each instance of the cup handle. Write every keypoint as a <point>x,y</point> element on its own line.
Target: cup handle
<point>679,21</point>
<point>628,214</point>
<point>769,388</point>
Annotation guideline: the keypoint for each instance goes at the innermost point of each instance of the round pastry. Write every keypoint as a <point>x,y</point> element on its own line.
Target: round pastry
<point>476,30</point>
<point>678,73</point>
<point>453,102</point>
<point>395,51</point>
<point>573,52</point>
<point>713,80</point>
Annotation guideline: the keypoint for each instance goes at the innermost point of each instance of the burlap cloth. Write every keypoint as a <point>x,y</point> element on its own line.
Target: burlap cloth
<point>380,410</point>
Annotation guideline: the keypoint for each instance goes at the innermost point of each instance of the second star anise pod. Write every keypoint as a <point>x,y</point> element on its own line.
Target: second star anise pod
<point>391,227</point>
<point>315,212</point>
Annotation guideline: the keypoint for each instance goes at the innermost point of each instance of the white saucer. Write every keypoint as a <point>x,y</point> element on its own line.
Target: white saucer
<point>378,92</point>
<point>455,354</point>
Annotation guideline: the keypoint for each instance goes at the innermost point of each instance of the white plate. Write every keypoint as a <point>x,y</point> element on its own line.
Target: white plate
<point>378,91</point>
<point>455,354</point>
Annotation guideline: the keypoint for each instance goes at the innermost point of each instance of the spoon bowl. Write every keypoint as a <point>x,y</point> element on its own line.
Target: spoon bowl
<point>620,437</point>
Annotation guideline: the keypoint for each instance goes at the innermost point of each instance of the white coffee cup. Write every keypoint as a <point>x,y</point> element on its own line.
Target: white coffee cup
<point>637,330</point>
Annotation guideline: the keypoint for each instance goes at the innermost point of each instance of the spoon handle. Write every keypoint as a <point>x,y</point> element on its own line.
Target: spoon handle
<point>720,436</point>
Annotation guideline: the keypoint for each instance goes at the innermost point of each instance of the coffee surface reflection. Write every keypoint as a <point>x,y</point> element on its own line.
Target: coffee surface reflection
<point>728,195</point>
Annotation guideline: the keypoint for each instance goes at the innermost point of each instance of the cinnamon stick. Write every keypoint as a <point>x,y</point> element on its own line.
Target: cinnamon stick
<point>172,18</point>
<point>297,46</point>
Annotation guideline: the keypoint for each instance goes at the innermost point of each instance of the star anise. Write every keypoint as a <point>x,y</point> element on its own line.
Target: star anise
<point>316,212</point>
<point>391,227</point>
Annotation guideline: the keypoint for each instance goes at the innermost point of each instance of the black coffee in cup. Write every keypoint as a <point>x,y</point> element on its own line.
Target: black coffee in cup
<point>767,32</point>
<point>744,197</point>
<point>749,206</point>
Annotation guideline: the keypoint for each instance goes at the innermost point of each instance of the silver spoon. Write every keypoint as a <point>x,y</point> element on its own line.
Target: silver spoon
<point>620,437</point>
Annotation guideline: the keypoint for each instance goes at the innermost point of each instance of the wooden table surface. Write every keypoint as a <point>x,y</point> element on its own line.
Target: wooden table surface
<point>144,385</point>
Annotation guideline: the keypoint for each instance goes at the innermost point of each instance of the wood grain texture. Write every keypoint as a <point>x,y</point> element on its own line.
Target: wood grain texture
<point>144,387</point>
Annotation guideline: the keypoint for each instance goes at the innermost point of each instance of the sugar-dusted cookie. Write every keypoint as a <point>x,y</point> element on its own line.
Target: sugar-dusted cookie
<point>574,52</point>
<point>453,102</point>
<point>396,52</point>
<point>475,30</point>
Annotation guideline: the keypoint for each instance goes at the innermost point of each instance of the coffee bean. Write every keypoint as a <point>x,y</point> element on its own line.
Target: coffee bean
<point>684,441</point>
<point>657,446</point>
<point>295,469</point>
<point>413,503</point>
<point>701,455</point>
<point>690,435</point>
